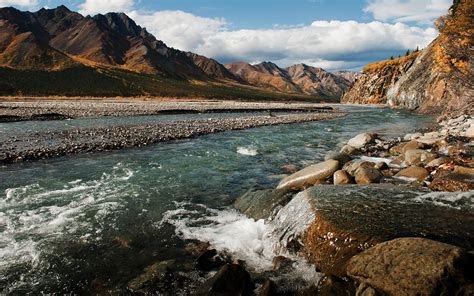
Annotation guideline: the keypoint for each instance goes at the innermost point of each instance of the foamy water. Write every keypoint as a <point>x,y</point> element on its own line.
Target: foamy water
<point>255,242</point>
<point>33,215</point>
<point>248,151</point>
<point>456,200</point>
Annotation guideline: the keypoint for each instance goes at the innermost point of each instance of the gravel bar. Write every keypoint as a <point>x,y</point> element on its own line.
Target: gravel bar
<point>52,110</point>
<point>53,143</point>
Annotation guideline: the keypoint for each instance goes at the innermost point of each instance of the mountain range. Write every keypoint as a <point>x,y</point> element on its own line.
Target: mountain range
<point>42,52</point>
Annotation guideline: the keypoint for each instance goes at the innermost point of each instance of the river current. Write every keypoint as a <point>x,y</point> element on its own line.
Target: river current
<point>70,222</point>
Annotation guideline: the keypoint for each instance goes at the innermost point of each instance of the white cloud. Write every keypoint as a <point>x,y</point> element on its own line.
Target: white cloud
<point>422,11</point>
<point>179,29</point>
<point>19,3</point>
<point>327,44</point>
<point>103,6</point>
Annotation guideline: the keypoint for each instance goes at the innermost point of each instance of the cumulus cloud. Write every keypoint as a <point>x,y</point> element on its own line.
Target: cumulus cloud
<point>102,6</point>
<point>421,11</point>
<point>327,44</point>
<point>180,29</point>
<point>20,3</point>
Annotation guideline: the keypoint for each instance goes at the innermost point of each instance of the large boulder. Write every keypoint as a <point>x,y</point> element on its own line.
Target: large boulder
<point>330,224</point>
<point>262,204</point>
<point>418,156</point>
<point>310,176</point>
<point>361,140</point>
<point>414,172</point>
<point>414,266</point>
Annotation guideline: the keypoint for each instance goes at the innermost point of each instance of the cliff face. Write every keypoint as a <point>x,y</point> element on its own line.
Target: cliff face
<point>438,80</point>
<point>372,85</point>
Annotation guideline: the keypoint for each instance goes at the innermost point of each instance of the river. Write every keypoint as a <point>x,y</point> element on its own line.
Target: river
<point>69,223</point>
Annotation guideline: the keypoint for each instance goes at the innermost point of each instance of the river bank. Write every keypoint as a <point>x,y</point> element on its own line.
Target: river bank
<point>47,109</point>
<point>51,143</point>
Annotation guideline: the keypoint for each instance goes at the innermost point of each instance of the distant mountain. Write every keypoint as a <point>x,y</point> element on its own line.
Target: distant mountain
<point>62,43</point>
<point>299,78</point>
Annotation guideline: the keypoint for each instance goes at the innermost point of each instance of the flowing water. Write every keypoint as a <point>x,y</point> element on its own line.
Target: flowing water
<point>68,223</point>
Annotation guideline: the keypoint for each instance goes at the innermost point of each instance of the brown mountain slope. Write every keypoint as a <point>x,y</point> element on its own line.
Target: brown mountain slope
<point>263,75</point>
<point>438,80</point>
<point>112,40</point>
<point>24,44</point>
<point>297,79</point>
<point>312,80</point>
<point>211,67</point>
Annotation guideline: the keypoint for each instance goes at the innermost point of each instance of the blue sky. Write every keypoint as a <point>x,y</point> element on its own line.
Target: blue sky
<point>333,34</point>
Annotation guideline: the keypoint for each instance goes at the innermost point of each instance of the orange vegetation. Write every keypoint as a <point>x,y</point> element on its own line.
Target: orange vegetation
<point>456,38</point>
<point>377,66</point>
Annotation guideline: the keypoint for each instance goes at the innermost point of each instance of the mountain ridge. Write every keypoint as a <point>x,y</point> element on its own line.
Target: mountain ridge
<point>59,39</point>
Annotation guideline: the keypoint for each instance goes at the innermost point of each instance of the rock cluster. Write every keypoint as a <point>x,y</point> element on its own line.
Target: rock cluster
<point>383,239</point>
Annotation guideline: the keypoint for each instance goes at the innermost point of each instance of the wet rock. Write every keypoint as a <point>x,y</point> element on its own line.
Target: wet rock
<point>418,156</point>
<point>367,175</point>
<point>412,145</point>
<point>438,161</point>
<point>309,176</point>
<point>361,140</point>
<point>352,166</point>
<point>232,279</point>
<point>335,223</point>
<point>413,266</point>
<point>334,286</point>
<point>414,172</point>
<point>262,204</point>
<point>341,178</point>
<point>343,158</point>
<point>452,182</point>
<point>266,289</point>
<point>349,150</point>
<point>152,274</point>
<point>209,260</point>
<point>413,136</point>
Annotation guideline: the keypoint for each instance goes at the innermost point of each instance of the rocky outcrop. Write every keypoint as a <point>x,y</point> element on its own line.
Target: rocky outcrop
<point>372,85</point>
<point>437,80</point>
<point>414,266</point>
<point>352,218</point>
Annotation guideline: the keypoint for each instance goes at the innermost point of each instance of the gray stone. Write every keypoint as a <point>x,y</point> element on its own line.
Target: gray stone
<point>339,156</point>
<point>349,150</point>
<point>310,175</point>
<point>262,204</point>
<point>361,140</point>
